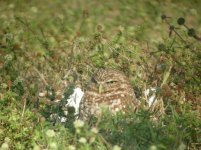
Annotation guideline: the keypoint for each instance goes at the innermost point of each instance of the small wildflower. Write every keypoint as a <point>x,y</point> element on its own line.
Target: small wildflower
<point>71,147</point>
<point>50,133</point>
<point>116,147</point>
<point>182,146</point>
<point>103,41</point>
<point>53,145</point>
<point>4,86</point>
<point>63,119</point>
<point>94,130</point>
<point>117,46</point>
<point>34,9</point>
<point>52,40</point>
<point>82,140</point>
<point>7,139</point>
<point>4,146</point>
<point>60,16</point>
<point>42,119</point>
<point>92,139</point>
<point>78,130</point>
<point>193,12</point>
<point>42,94</point>
<point>121,28</point>
<point>36,147</point>
<point>78,123</point>
<point>153,147</point>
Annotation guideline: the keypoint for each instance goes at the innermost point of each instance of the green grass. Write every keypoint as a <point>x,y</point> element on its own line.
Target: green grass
<point>42,41</point>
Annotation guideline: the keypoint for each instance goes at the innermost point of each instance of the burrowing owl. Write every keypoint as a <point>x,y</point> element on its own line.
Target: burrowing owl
<point>109,88</point>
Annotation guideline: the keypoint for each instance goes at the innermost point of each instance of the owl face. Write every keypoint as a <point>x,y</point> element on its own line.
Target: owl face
<point>108,87</point>
<point>106,80</point>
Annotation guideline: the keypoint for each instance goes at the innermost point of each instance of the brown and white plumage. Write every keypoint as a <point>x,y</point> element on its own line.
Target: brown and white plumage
<point>110,88</point>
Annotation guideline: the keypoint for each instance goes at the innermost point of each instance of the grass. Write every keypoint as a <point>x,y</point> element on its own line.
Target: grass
<point>41,42</point>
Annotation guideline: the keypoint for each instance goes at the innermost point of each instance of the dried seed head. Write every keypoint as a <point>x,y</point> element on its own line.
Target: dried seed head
<point>191,32</point>
<point>181,21</point>
<point>163,17</point>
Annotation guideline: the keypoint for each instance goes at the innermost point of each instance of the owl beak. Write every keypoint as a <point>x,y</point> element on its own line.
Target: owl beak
<point>100,89</point>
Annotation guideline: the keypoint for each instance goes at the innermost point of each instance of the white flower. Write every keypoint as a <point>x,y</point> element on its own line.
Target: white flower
<point>82,140</point>
<point>34,9</point>
<point>121,28</point>
<point>78,123</point>
<point>60,16</point>
<point>116,147</point>
<point>153,147</point>
<point>36,147</point>
<point>42,94</point>
<point>63,119</point>
<point>71,147</point>
<point>92,139</point>
<point>4,146</point>
<point>193,12</point>
<point>94,130</point>
<point>53,145</point>
<point>4,86</point>
<point>182,146</point>
<point>50,133</point>
<point>52,40</point>
<point>78,130</point>
<point>7,139</point>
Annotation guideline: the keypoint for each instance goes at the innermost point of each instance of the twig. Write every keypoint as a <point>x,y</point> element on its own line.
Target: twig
<point>24,105</point>
<point>40,75</point>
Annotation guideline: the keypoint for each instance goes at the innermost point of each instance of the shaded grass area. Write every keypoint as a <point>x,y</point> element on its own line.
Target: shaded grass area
<point>41,42</point>
<point>130,131</point>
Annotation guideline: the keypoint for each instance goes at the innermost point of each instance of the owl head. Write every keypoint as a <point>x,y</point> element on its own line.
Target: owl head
<point>104,80</point>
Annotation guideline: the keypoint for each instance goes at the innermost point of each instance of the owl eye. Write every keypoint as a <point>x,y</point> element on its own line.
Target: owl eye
<point>93,80</point>
<point>111,82</point>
